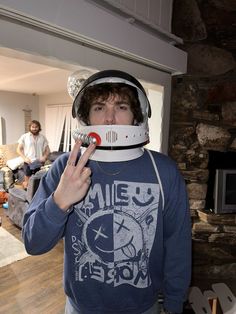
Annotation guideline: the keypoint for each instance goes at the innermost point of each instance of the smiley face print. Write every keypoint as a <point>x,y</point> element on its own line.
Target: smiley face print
<point>114,236</point>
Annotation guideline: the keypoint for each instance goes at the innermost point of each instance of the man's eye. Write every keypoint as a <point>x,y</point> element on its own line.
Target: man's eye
<point>123,107</point>
<point>97,108</point>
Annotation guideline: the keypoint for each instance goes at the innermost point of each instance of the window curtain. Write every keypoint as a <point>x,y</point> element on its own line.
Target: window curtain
<point>58,117</point>
<point>70,125</point>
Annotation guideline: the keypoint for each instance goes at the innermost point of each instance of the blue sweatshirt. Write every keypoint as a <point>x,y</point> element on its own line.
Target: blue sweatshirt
<point>126,241</point>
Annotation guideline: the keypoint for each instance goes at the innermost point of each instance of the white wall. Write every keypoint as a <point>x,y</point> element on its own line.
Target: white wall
<point>11,111</point>
<point>155,122</point>
<point>12,107</point>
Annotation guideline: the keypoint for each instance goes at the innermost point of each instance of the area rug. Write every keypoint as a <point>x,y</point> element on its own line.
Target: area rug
<point>11,249</point>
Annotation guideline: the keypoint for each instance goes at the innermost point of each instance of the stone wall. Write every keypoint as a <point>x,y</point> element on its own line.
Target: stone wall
<point>203,119</point>
<point>200,121</point>
<point>214,239</point>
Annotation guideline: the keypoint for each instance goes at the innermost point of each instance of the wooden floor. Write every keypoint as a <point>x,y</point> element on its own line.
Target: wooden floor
<point>34,284</point>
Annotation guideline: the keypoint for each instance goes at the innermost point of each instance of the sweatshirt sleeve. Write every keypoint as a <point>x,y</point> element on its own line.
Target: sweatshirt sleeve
<point>177,241</point>
<point>44,221</point>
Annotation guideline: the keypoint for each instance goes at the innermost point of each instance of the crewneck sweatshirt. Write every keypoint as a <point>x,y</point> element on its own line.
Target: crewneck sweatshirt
<point>128,240</point>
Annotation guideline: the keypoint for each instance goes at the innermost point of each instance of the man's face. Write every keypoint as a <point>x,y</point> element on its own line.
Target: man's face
<point>34,129</point>
<point>114,110</point>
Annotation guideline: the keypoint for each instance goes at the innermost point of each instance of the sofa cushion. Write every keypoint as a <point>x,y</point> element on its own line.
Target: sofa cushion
<point>7,152</point>
<point>15,163</point>
<point>1,180</point>
<point>19,199</point>
<point>17,205</point>
<point>8,177</point>
<point>33,184</point>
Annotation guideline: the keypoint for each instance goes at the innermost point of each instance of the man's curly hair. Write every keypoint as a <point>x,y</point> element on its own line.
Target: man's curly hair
<point>103,91</point>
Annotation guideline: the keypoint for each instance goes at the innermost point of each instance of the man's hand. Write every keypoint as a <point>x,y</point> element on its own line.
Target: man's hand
<point>43,159</point>
<point>27,160</point>
<point>75,180</point>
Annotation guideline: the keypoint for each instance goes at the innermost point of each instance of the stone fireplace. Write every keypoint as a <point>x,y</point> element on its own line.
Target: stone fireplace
<point>203,127</point>
<point>202,137</point>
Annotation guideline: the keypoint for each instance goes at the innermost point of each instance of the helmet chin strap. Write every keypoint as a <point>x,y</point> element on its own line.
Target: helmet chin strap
<point>115,155</point>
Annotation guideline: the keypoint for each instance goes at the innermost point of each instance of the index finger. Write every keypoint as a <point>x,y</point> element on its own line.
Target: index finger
<point>85,156</point>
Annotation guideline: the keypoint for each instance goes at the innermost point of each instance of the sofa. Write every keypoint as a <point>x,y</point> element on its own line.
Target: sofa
<point>19,199</point>
<point>10,165</point>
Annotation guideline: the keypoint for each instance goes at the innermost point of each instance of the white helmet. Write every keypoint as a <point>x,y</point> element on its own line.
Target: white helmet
<point>124,142</point>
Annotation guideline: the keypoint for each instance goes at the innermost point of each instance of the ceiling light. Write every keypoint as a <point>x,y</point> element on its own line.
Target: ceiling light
<point>75,81</point>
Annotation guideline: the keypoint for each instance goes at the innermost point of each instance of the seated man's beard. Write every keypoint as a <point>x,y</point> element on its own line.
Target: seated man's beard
<point>35,132</point>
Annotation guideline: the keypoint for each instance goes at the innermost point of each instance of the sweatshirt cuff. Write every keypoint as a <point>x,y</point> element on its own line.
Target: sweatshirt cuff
<point>54,213</point>
<point>173,306</point>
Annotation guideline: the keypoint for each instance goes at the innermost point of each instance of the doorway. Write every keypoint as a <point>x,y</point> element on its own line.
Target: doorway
<point>65,53</point>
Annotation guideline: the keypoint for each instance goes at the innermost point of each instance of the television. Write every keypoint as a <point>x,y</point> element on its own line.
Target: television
<point>225,191</point>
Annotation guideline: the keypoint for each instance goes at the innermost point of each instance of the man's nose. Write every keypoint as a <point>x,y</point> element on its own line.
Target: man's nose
<point>110,116</point>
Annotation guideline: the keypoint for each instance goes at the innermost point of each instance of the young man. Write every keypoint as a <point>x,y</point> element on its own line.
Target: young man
<point>122,210</point>
<point>34,150</point>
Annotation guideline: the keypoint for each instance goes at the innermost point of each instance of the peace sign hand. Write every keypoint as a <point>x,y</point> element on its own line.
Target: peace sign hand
<point>75,179</point>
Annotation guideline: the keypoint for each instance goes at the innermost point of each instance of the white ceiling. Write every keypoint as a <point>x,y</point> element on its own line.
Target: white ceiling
<point>22,76</point>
